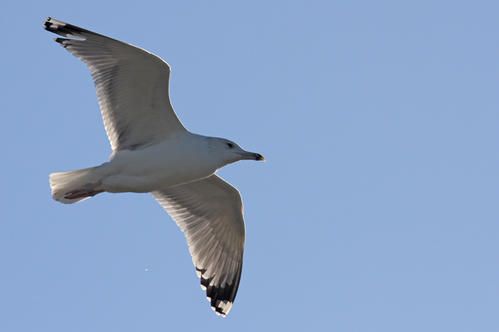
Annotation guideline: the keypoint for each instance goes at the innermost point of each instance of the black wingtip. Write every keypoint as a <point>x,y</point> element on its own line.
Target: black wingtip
<point>62,28</point>
<point>221,298</point>
<point>53,25</point>
<point>62,41</point>
<point>46,24</point>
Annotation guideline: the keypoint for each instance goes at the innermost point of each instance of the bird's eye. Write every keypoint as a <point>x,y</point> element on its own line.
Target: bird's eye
<point>230,145</point>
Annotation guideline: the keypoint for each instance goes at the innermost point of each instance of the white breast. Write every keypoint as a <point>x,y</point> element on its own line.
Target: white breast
<point>172,162</point>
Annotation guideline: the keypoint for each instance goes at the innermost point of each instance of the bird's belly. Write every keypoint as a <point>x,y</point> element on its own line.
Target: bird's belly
<point>145,172</point>
<point>147,183</point>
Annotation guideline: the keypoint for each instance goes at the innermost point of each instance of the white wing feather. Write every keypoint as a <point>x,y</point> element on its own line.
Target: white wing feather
<point>131,84</point>
<point>210,214</point>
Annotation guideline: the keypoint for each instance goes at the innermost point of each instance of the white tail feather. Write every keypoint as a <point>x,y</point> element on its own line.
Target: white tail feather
<point>64,185</point>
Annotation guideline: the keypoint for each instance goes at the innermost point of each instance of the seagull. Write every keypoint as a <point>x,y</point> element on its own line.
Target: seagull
<point>152,152</point>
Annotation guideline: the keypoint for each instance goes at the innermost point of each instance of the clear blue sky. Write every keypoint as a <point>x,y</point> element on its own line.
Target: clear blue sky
<point>376,211</point>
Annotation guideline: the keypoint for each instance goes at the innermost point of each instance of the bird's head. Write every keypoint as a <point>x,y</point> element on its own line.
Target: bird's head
<point>230,152</point>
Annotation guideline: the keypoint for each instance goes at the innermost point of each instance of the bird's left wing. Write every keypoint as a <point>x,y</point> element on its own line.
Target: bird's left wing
<point>131,84</point>
<point>210,213</point>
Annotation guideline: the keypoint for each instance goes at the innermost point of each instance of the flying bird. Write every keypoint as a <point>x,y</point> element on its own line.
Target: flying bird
<point>152,152</point>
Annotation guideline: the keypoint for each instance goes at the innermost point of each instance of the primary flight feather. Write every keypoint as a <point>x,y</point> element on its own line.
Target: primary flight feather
<point>153,152</point>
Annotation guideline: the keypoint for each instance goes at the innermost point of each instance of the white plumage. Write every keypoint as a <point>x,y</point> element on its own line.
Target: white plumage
<point>153,152</point>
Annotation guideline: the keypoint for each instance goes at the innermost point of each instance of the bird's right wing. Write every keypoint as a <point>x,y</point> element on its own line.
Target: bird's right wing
<point>210,213</point>
<point>131,84</point>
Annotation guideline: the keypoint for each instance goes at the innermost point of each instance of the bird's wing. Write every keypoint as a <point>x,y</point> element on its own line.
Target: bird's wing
<point>131,84</point>
<point>210,213</point>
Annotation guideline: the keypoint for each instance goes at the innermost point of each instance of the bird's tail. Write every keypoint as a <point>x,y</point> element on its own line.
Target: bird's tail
<point>71,187</point>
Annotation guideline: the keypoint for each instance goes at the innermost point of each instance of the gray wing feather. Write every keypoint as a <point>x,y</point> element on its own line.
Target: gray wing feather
<point>210,214</point>
<point>131,84</point>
